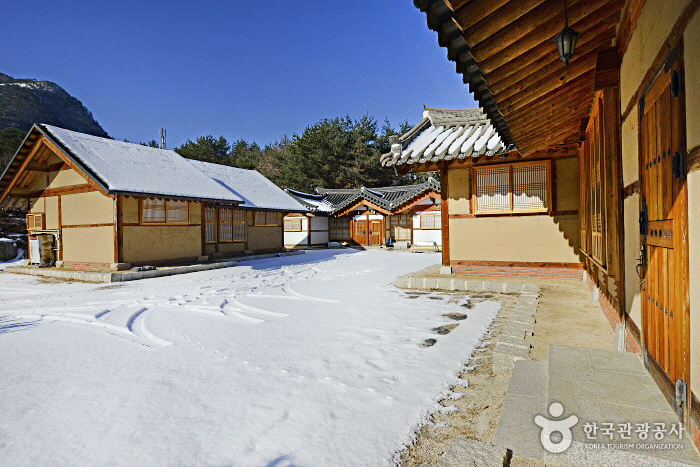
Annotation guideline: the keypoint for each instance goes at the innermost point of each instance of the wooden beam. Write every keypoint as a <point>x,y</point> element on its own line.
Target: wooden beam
<point>45,167</point>
<point>552,92</point>
<point>502,18</point>
<point>410,204</point>
<point>539,25</point>
<point>540,84</point>
<point>444,216</point>
<point>575,93</point>
<point>26,162</point>
<point>628,23</point>
<point>551,83</point>
<point>550,114</point>
<point>545,126</point>
<point>475,11</point>
<point>564,136</point>
<point>69,190</point>
<point>551,62</point>
<point>597,23</point>
<point>607,69</point>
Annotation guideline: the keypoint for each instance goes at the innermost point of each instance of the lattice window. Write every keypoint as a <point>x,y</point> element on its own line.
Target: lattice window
<point>210,225</point>
<point>339,228</point>
<point>225,225</point>
<point>493,189</point>
<point>153,211</point>
<point>400,227</point>
<point>265,218</point>
<point>176,212</point>
<point>292,225</point>
<point>430,222</point>
<point>239,226</point>
<point>530,187</point>
<point>160,211</point>
<point>506,188</point>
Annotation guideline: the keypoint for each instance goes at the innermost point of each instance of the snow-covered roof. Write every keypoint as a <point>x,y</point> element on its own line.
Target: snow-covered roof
<point>445,134</point>
<point>129,168</point>
<point>256,191</point>
<point>331,201</point>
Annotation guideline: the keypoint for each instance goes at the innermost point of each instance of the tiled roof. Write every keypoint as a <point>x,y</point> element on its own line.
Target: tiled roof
<point>331,201</point>
<point>445,134</point>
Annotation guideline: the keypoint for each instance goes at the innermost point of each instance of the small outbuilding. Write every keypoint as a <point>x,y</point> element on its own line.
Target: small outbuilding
<point>100,204</point>
<point>367,216</point>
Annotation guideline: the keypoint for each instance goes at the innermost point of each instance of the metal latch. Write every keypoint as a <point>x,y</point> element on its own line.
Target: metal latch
<point>681,396</point>
<point>677,165</point>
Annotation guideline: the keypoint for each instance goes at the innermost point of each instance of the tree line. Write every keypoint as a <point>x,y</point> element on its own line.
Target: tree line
<point>332,153</point>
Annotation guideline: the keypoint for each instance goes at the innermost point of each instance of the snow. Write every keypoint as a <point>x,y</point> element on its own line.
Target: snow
<point>305,360</point>
<point>252,187</point>
<point>134,168</point>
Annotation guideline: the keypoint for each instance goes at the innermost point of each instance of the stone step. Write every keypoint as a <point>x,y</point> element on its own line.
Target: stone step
<point>526,397</point>
<point>464,452</point>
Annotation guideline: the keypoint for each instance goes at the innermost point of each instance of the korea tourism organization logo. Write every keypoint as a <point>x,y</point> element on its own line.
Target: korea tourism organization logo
<point>551,427</point>
<point>556,434</point>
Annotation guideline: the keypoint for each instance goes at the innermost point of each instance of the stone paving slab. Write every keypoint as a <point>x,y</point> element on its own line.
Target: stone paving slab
<point>516,328</point>
<point>516,428</point>
<point>529,378</point>
<point>505,356</point>
<point>521,318</point>
<point>463,452</point>
<point>520,342</point>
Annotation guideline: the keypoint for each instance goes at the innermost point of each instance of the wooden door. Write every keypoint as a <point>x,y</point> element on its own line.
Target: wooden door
<point>360,232</point>
<point>665,199</point>
<point>375,232</point>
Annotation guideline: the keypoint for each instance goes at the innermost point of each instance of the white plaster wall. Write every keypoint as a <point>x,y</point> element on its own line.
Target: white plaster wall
<point>692,89</point>
<point>653,27</point>
<point>297,238</point>
<point>427,236</point>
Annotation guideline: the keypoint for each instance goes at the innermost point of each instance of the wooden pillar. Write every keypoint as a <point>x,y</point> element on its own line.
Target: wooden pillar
<point>444,216</point>
<point>308,230</point>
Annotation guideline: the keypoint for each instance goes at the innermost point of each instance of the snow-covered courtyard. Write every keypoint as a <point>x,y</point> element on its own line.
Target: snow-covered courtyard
<point>309,360</point>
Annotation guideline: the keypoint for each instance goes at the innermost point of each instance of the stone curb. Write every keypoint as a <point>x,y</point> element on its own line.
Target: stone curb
<point>455,284</point>
<point>512,345</point>
<point>107,277</point>
<point>462,452</point>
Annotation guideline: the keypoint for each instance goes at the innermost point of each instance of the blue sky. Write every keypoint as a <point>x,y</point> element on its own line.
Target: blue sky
<point>251,70</point>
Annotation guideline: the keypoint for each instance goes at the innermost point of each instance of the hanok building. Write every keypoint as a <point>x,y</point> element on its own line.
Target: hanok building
<point>107,204</point>
<point>369,217</point>
<point>626,104</point>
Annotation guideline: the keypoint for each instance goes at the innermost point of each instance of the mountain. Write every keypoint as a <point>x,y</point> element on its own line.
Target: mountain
<point>27,101</point>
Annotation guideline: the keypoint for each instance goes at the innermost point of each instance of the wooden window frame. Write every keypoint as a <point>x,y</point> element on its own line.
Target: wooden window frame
<point>165,205</point>
<point>266,224</point>
<point>215,222</point>
<point>511,211</point>
<point>437,223</point>
<point>221,222</point>
<point>296,220</point>
<point>236,222</point>
<point>332,226</point>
